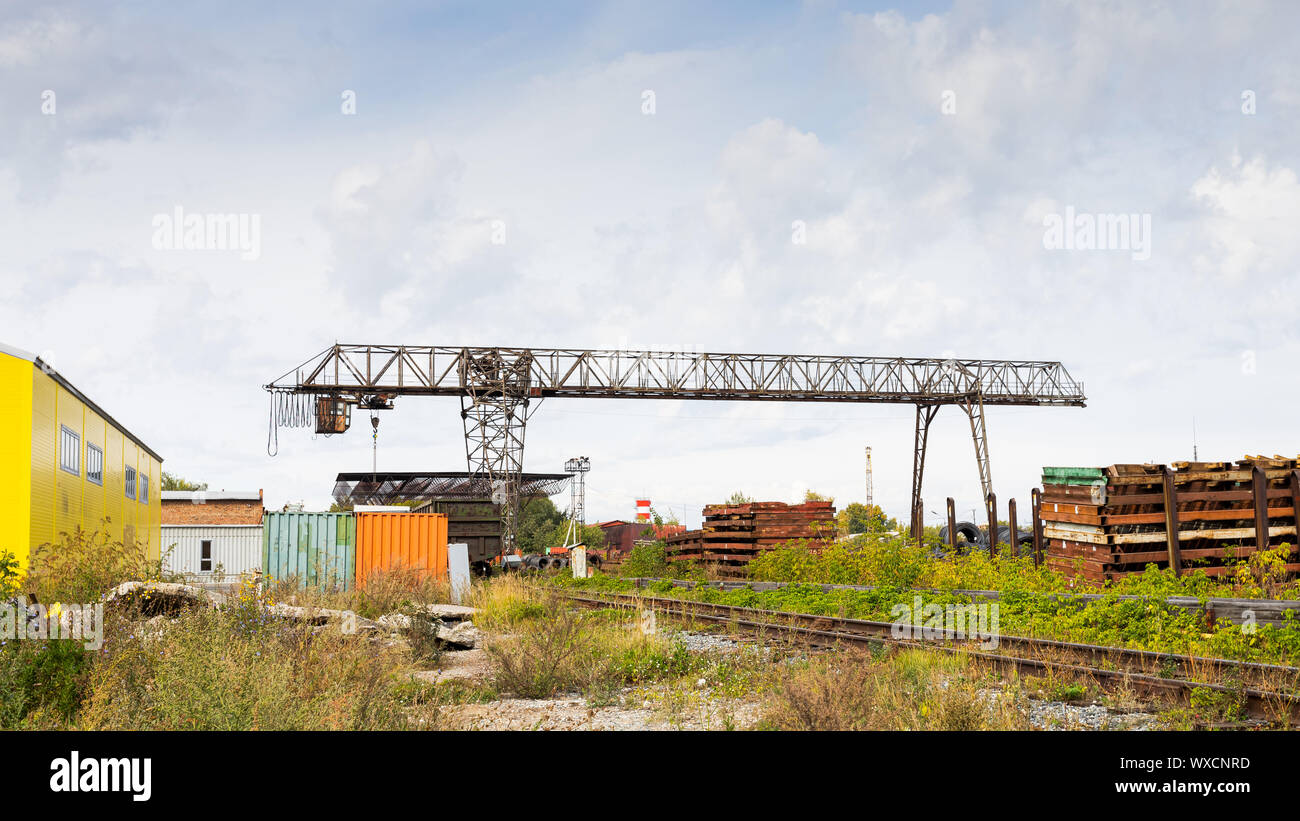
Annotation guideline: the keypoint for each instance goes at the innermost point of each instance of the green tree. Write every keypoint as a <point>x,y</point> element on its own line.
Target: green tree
<point>647,560</point>
<point>661,520</point>
<point>814,496</point>
<point>739,498</point>
<point>859,518</point>
<point>170,482</point>
<point>537,520</point>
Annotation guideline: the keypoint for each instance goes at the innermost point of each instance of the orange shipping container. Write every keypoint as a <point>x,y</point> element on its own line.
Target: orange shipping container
<point>392,541</point>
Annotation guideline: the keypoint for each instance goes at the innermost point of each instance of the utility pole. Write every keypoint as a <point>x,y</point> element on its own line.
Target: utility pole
<point>868,476</point>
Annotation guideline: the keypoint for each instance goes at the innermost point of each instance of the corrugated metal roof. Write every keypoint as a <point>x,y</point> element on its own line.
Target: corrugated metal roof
<point>385,488</point>
<point>19,353</point>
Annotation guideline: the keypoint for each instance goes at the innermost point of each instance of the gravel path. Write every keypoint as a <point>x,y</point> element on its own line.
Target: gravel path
<point>1059,715</point>
<point>706,642</point>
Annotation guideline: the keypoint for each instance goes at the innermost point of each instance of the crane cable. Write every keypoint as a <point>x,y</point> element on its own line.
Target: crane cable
<point>290,410</point>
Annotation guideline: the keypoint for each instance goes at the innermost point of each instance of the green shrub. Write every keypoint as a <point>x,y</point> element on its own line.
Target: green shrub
<point>647,560</point>
<point>10,578</point>
<point>42,683</point>
<point>85,564</point>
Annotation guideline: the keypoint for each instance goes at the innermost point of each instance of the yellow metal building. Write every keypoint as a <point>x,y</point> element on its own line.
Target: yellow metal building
<point>64,463</point>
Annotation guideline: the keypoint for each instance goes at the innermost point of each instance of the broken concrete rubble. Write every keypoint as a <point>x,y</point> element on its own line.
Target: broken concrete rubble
<point>162,598</point>
<point>167,599</point>
<point>460,634</point>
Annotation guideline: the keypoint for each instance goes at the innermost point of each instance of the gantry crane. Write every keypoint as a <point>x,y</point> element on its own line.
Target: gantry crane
<point>498,389</point>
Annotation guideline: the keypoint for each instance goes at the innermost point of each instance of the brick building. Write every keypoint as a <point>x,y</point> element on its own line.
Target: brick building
<point>212,535</point>
<point>212,507</point>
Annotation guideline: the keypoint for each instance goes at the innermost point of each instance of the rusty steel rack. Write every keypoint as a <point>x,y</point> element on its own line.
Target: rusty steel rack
<point>1105,523</point>
<point>733,535</point>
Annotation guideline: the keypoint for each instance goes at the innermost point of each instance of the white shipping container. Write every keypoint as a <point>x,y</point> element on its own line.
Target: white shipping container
<point>203,551</point>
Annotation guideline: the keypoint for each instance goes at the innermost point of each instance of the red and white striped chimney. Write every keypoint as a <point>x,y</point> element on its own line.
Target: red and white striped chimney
<point>643,510</point>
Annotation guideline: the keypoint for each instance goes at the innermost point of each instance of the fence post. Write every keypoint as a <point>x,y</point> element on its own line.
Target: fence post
<point>1013,536</point>
<point>1259,484</point>
<point>1295,509</point>
<point>992,503</point>
<point>1171,522</point>
<point>1036,502</point>
<point>952,525</point>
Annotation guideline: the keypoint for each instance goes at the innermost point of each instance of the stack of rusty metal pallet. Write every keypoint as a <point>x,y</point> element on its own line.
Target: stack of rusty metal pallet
<point>1105,523</point>
<point>733,535</point>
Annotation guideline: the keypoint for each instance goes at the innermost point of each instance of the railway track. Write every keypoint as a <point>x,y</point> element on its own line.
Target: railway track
<point>1264,691</point>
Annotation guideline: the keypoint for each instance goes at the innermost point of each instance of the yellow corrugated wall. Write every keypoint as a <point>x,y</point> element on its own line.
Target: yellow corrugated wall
<point>61,501</point>
<point>15,455</point>
<point>45,457</point>
<point>93,495</point>
<point>115,500</point>
<point>68,489</point>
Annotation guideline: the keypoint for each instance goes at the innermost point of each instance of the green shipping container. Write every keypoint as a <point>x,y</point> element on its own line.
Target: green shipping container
<point>319,549</point>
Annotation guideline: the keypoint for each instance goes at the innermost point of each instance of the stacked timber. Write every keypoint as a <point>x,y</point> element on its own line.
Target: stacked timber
<point>1104,523</point>
<point>732,535</point>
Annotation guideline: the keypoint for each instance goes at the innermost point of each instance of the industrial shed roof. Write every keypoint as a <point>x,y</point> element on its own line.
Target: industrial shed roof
<point>386,488</point>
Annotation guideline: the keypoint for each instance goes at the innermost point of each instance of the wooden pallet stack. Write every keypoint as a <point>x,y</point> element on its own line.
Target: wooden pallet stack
<point>733,535</point>
<point>1104,523</point>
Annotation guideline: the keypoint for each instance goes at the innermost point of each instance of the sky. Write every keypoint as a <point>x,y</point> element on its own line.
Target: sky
<point>819,178</point>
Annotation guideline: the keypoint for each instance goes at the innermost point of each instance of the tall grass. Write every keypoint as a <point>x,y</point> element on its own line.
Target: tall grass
<point>540,647</point>
<point>230,669</point>
<point>912,690</point>
<point>506,601</point>
<point>386,591</point>
<point>84,564</point>
<point>213,670</point>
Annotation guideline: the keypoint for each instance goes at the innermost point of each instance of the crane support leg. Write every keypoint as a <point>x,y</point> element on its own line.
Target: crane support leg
<point>974,408</point>
<point>924,416</point>
<point>495,414</point>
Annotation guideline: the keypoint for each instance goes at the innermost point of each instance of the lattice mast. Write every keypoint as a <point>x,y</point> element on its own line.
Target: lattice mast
<point>578,467</point>
<point>869,490</point>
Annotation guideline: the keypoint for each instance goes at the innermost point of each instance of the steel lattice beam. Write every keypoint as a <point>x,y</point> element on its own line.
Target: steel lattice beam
<point>366,370</point>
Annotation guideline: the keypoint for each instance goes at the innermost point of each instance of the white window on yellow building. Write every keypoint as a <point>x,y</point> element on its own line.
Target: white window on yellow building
<point>144,489</point>
<point>94,464</point>
<point>130,482</point>
<point>69,450</point>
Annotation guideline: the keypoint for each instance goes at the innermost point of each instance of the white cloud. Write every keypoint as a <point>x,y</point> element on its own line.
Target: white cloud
<point>1250,228</point>
<point>923,230</point>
